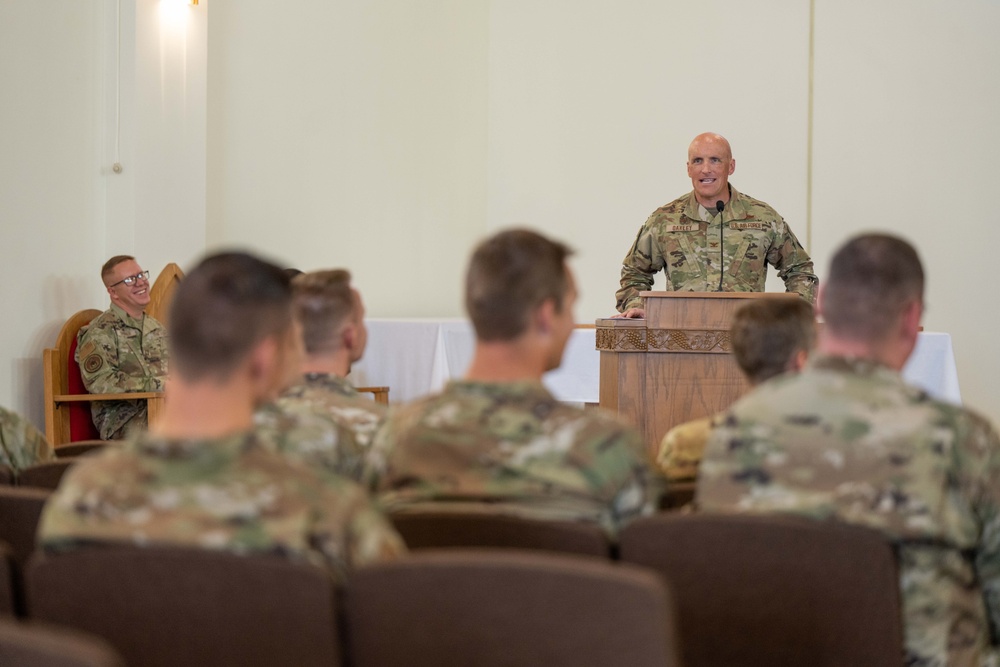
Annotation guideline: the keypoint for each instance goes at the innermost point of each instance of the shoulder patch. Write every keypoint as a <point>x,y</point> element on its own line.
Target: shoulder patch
<point>681,228</point>
<point>93,363</point>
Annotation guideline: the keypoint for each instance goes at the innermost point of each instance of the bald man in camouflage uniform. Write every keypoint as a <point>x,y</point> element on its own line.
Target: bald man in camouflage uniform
<point>21,444</point>
<point>334,335</point>
<point>498,439</point>
<point>203,476</point>
<point>122,350</point>
<point>705,250</point>
<point>848,440</point>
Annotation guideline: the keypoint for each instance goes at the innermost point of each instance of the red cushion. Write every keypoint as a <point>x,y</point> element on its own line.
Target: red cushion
<point>81,423</point>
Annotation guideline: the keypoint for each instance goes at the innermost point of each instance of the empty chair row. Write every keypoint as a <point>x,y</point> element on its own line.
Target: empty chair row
<point>747,589</point>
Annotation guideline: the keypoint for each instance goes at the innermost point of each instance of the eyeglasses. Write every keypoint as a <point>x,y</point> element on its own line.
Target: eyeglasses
<point>131,280</point>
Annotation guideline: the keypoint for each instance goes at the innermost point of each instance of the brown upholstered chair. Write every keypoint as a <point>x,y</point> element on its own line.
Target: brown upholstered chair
<point>45,475</point>
<point>429,529</point>
<point>472,607</point>
<point>20,509</point>
<point>6,475</point>
<point>192,607</point>
<point>67,402</point>
<point>81,447</point>
<point>8,604</point>
<point>38,645</point>
<point>774,590</point>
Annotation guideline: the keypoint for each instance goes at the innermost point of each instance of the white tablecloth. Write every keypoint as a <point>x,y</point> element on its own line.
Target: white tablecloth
<point>414,357</point>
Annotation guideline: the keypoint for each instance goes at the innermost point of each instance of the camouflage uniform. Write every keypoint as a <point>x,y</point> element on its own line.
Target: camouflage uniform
<point>514,446</point>
<point>313,437</point>
<point>682,447</point>
<point>848,440</point>
<point>682,238</point>
<point>118,353</point>
<point>334,398</point>
<point>229,494</point>
<point>21,445</point>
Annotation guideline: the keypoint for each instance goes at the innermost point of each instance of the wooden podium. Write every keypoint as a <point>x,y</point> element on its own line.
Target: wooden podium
<point>675,365</point>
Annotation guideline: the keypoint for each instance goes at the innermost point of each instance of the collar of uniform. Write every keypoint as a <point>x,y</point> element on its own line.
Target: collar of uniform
<point>330,382</point>
<point>204,450</point>
<point>735,210</point>
<point>853,365</point>
<point>521,389</point>
<point>126,318</point>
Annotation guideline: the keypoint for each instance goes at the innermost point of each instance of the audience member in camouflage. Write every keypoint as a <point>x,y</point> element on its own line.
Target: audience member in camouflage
<point>122,350</point>
<point>498,439</point>
<point>514,446</point>
<point>232,493</point>
<point>204,476</point>
<point>683,238</point>
<point>312,436</point>
<point>334,336</point>
<point>769,337</point>
<point>21,444</point>
<point>848,440</point>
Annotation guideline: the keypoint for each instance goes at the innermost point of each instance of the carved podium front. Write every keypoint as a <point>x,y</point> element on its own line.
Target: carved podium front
<point>676,364</point>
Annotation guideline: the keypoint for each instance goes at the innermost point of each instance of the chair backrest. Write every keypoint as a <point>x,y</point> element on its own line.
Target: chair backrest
<point>69,421</point>
<point>46,475</point>
<point>162,292</point>
<point>8,596</point>
<point>80,448</point>
<point>774,590</point>
<point>36,645</point>
<point>192,607</point>
<point>20,511</point>
<point>6,475</point>
<point>458,608</point>
<point>430,529</point>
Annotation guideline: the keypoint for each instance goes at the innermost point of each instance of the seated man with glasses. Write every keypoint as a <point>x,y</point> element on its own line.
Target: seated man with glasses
<point>122,349</point>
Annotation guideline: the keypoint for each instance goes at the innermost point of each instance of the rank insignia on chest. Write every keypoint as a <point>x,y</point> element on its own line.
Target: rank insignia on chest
<point>681,228</point>
<point>713,245</point>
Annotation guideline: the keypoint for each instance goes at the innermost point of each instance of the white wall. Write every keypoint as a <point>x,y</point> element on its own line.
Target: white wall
<point>51,204</point>
<point>352,134</point>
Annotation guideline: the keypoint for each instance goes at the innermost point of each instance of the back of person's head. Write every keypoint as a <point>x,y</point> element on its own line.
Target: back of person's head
<point>872,279</point>
<point>109,266</point>
<point>222,309</point>
<point>324,304</point>
<point>767,334</point>
<point>510,274</point>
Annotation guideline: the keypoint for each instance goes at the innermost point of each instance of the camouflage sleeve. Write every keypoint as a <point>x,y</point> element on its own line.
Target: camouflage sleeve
<point>367,535</point>
<point>376,463</point>
<point>980,474</point>
<point>638,485</point>
<point>793,263</point>
<point>639,267</point>
<point>21,444</point>
<point>102,366</point>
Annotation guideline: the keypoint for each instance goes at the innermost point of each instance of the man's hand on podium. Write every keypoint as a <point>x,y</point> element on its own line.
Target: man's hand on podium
<point>632,313</point>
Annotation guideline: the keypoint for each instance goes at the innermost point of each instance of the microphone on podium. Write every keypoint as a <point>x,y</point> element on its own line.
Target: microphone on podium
<point>720,206</point>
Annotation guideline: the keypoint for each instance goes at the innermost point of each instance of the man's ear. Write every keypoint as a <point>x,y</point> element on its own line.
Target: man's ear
<point>349,336</point>
<point>261,362</point>
<point>544,316</point>
<point>798,360</point>
<point>909,320</point>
